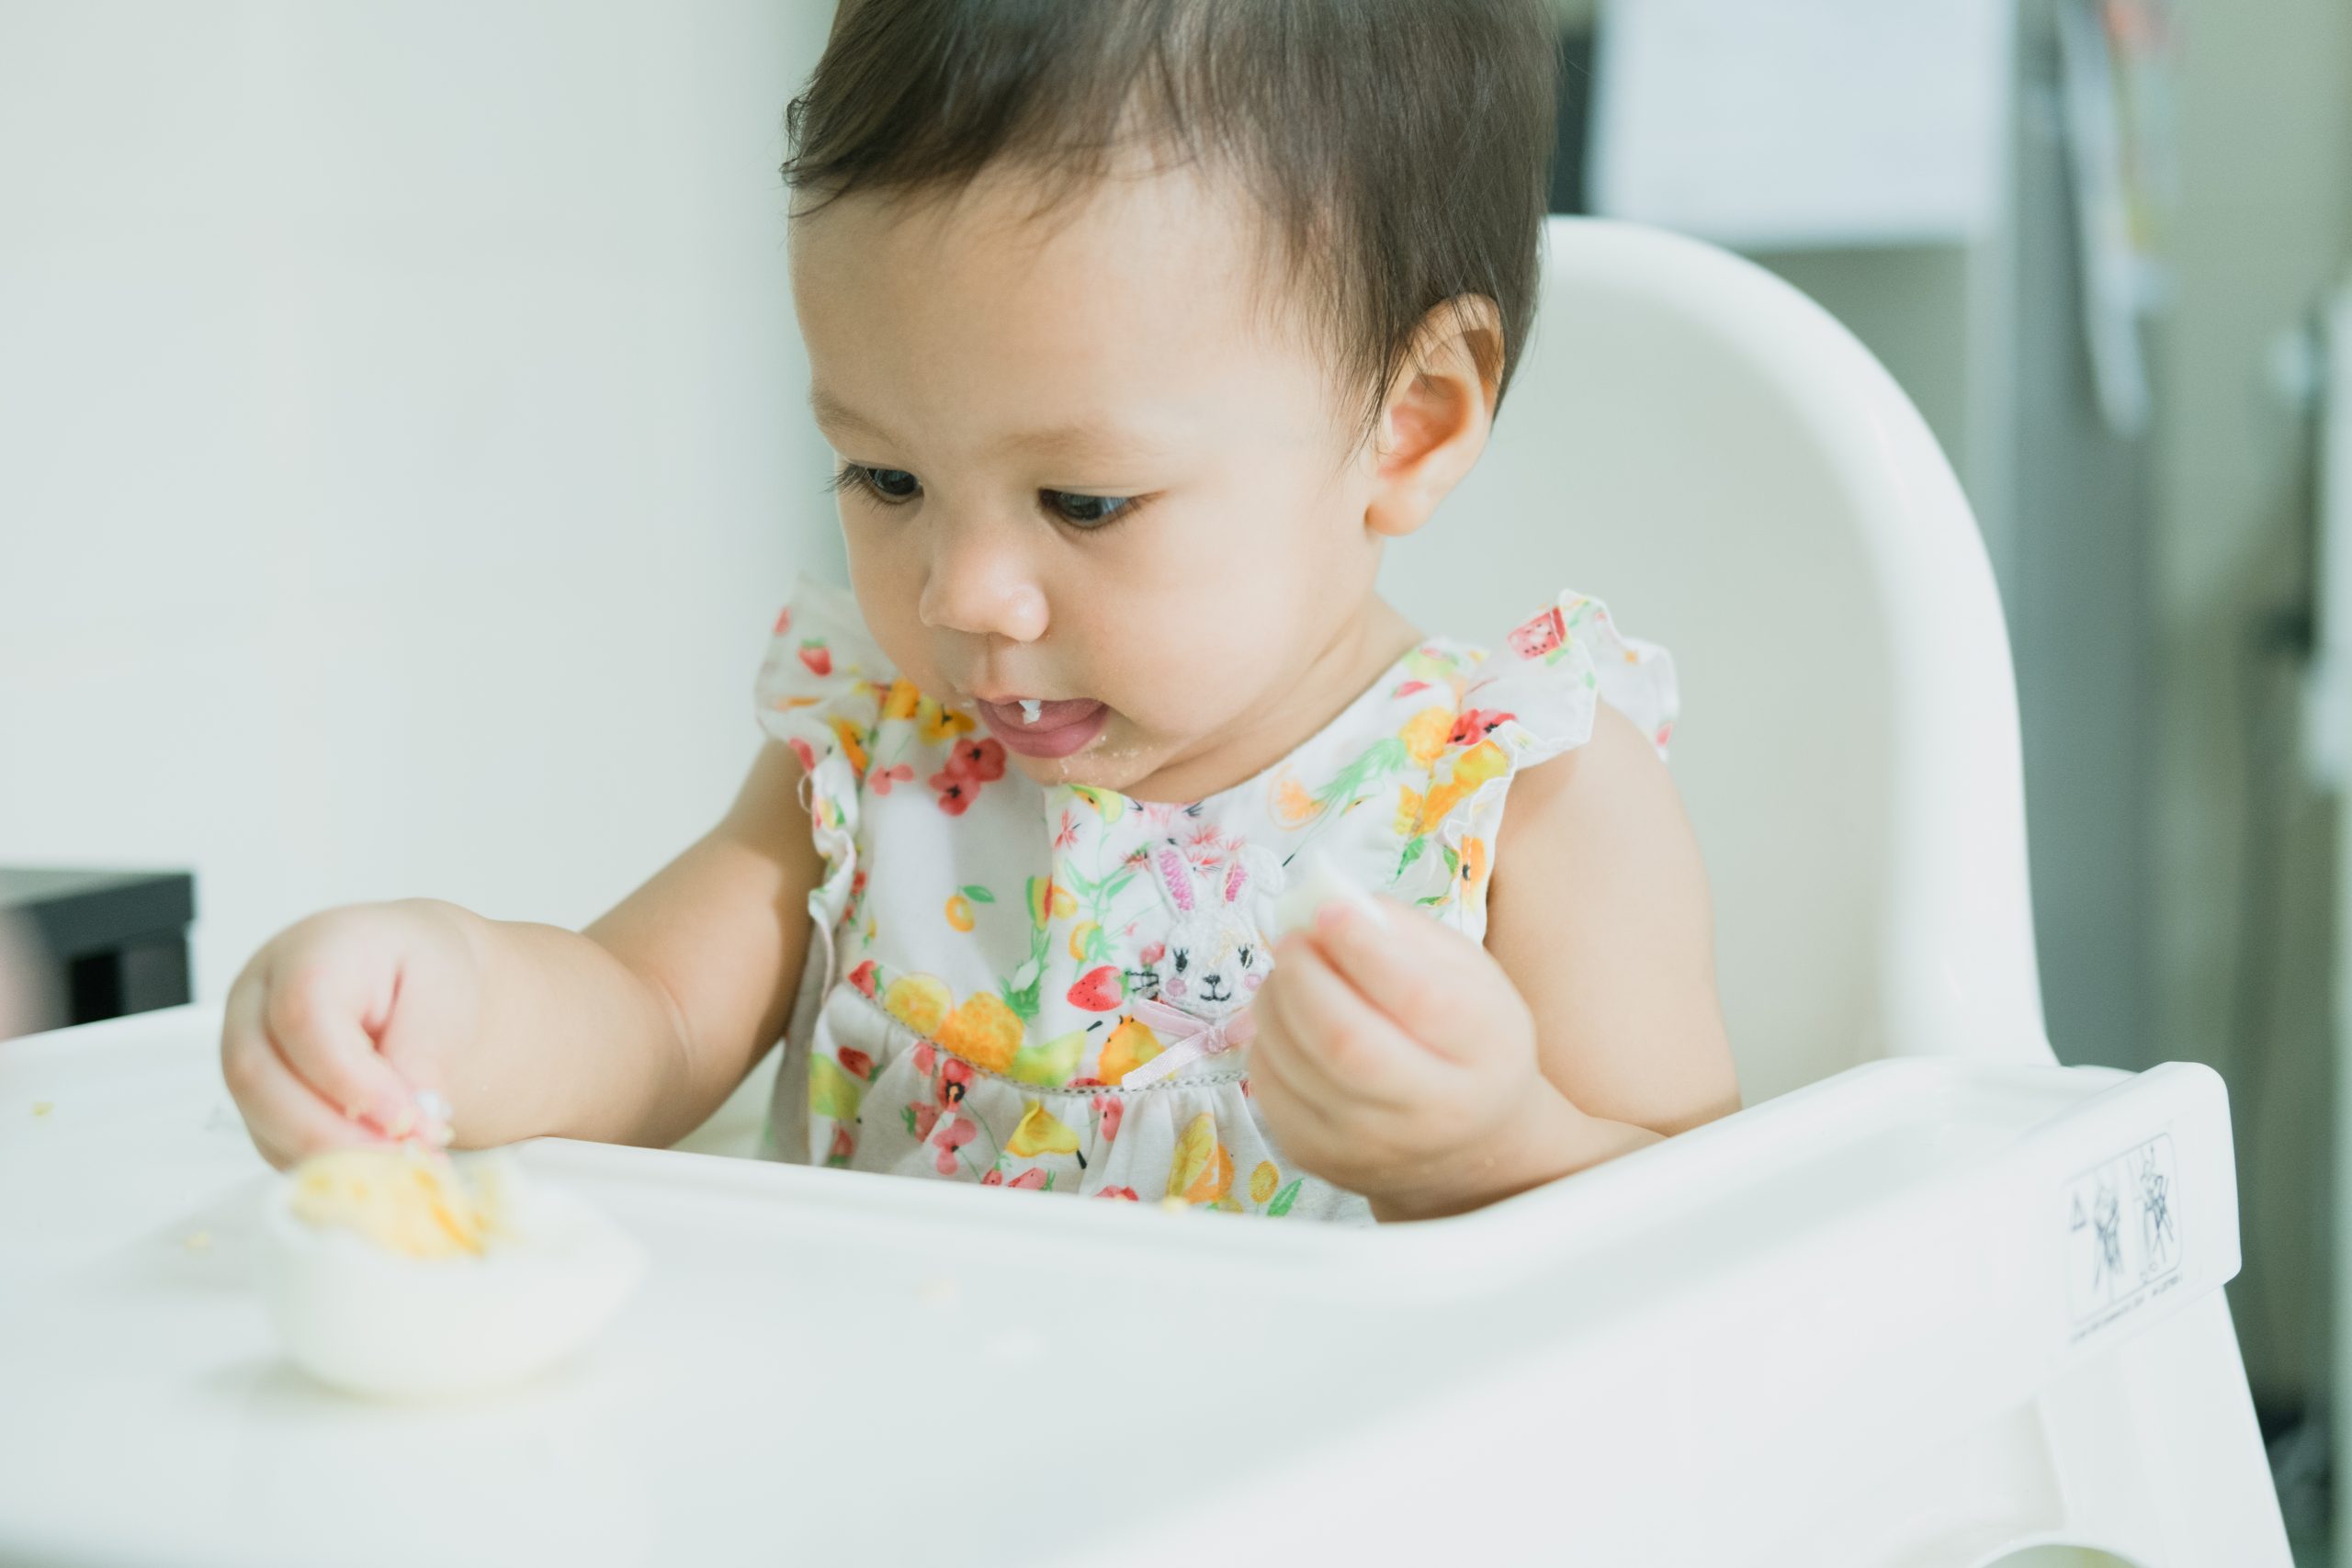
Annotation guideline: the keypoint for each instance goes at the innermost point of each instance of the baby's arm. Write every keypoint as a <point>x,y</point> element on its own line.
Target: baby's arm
<point>1599,912</point>
<point>652,1015</point>
<point>1397,1058</point>
<point>633,1030</point>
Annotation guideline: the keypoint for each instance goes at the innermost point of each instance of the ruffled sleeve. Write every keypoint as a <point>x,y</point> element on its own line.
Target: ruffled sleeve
<point>1528,701</point>
<point>1555,668</point>
<point>821,691</point>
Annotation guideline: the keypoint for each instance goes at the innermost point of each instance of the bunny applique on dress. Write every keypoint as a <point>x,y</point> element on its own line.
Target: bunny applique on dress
<point>1048,986</point>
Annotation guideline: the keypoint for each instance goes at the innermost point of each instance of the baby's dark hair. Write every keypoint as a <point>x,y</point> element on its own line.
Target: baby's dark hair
<point>1400,148</point>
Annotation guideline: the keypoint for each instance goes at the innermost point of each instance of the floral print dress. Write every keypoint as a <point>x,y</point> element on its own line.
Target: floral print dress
<point>1048,986</point>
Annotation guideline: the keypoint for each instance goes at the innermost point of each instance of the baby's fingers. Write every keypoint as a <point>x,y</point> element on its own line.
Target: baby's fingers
<point>1329,1042</point>
<point>1433,983</point>
<point>286,1116</point>
<point>313,1014</point>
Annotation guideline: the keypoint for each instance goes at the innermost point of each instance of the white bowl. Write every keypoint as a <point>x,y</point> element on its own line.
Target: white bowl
<point>374,1322</point>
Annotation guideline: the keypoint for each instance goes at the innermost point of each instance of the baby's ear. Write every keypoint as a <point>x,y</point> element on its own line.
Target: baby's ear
<point>1434,422</point>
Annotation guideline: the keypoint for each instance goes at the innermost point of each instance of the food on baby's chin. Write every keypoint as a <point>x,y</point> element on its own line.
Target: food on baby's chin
<point>407,1200</point>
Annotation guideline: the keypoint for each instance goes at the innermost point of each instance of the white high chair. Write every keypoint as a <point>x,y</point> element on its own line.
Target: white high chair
<point>1696,442</point>
<point>1911,1313</point>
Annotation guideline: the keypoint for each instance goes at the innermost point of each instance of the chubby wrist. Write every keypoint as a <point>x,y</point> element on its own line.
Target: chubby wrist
<point>1546,1137</point>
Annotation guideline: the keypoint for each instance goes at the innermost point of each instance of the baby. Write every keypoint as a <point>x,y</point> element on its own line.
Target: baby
<point>1138,327</point>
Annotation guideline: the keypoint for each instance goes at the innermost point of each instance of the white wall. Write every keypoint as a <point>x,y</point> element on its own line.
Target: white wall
<point>401,445</point>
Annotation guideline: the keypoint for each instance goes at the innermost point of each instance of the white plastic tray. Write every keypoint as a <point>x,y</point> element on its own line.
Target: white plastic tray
<point>830,1367</point>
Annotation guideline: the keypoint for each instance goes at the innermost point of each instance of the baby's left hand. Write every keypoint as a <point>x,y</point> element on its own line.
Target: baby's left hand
<point>1395,1058</point>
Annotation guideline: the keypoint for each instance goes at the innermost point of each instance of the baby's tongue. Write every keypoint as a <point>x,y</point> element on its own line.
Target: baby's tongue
<point>1047,731</point>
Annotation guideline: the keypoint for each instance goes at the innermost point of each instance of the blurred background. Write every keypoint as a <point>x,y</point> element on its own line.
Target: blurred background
<point>2098,241</point>
<point>402,452</point>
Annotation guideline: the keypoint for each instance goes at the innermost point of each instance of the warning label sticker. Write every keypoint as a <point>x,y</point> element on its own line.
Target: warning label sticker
<point>2123,1244</point>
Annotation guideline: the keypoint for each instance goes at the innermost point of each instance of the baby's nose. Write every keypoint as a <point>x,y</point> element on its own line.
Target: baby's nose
<point>979,584</point>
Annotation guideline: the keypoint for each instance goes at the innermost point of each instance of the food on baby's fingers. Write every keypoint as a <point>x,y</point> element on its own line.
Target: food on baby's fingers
<point>1314,882</point>
<point>403,1272</point>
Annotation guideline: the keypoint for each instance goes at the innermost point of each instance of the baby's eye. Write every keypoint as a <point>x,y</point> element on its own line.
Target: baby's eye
<point>1085,511</point>
<point>889,486</point>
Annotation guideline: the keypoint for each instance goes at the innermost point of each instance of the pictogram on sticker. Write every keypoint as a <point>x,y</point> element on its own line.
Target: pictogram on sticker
<point>2124,1242</point>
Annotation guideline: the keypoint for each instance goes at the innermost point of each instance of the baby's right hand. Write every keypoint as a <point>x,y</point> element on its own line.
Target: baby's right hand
<point>342,1019</point>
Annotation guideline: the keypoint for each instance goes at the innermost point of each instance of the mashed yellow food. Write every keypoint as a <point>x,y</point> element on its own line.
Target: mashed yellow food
<point>406,1199</point>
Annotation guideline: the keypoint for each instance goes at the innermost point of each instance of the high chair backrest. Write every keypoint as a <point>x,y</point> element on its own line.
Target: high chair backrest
<point>1697,443</point>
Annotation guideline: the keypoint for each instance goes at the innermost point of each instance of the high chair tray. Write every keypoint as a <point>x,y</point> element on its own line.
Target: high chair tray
<point>823,1366</point>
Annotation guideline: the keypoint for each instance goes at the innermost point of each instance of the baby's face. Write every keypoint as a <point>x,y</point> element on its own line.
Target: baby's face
<point>1097,489</point>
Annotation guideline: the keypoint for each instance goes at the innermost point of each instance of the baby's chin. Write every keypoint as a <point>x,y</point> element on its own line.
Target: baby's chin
<point>1116,761</point>
<point>1130,761</point>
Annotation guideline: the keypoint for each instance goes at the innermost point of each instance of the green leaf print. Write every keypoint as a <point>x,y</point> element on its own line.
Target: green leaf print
<point>1023,999</point>
<point>979,895</point>
<point>1285,1197</point>
<point>1379,759</point>
<point>1453,862</point>
<point>1413,848</point>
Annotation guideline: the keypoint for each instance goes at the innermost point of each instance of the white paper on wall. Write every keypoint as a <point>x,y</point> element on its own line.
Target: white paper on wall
<point>1787,123</point>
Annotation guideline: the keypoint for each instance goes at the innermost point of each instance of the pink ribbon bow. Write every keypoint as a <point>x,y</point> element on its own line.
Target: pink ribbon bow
<point>1202,1037</point>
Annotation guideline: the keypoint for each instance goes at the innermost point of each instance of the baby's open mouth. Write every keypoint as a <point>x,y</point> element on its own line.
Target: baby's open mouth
<point>1034,726</point>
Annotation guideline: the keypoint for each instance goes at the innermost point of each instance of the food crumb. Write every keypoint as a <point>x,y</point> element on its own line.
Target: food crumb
<point>199,1240</point>
<point>438,1113</point>
<point>43,1107</point>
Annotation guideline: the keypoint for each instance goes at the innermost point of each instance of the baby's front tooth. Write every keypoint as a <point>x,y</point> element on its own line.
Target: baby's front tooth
<point>1030,708</point>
